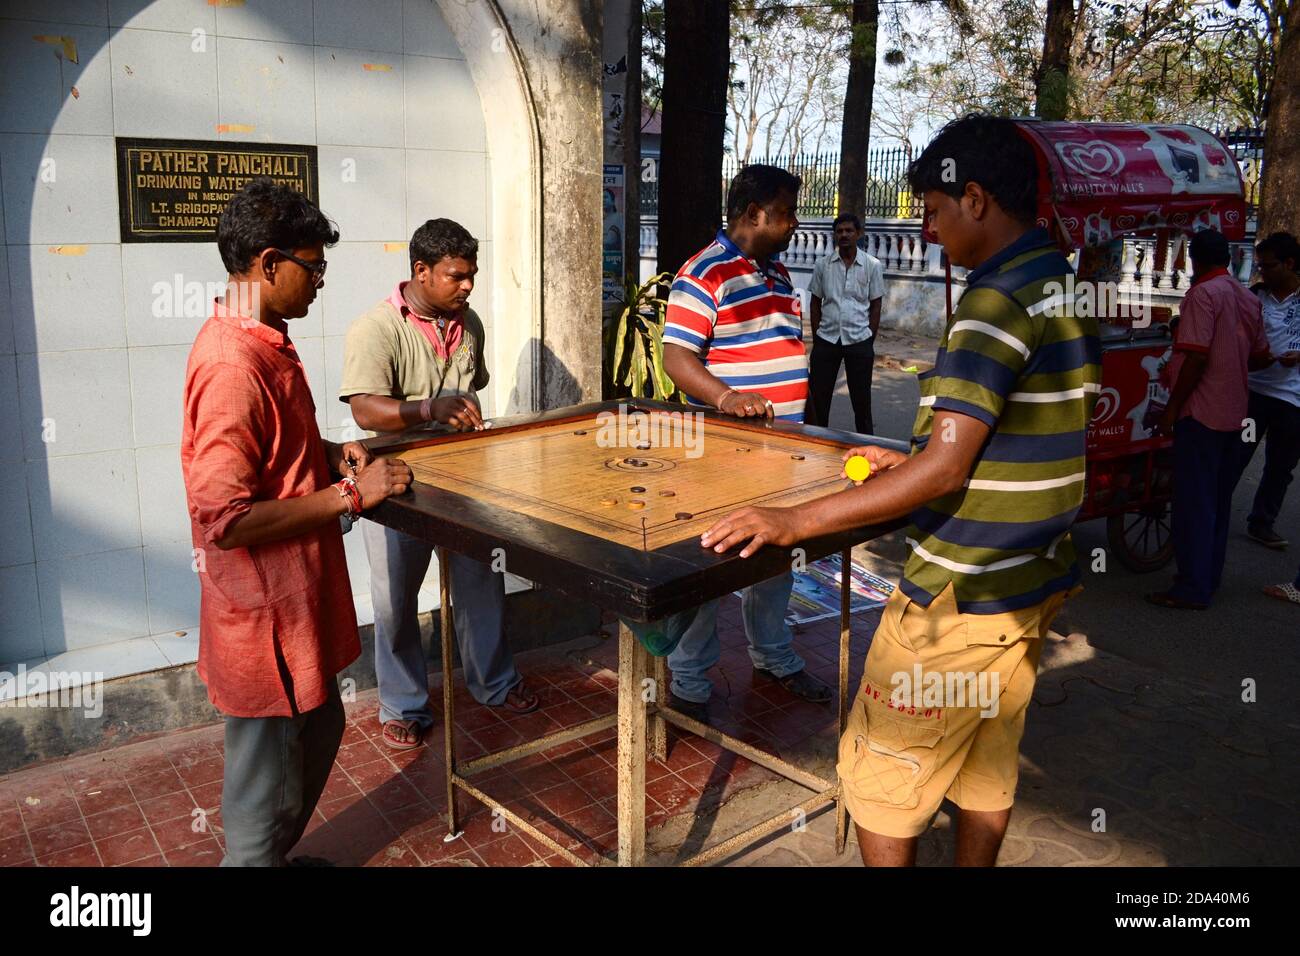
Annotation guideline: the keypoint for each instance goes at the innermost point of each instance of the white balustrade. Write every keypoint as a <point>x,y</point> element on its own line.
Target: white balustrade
<point>898,245</point>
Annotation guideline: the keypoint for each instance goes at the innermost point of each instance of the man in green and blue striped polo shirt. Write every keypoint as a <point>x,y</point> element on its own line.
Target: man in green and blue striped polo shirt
<point>993,484</point>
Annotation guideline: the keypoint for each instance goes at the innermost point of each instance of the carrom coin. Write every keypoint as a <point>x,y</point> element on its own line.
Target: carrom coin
<point>684,516</point>
<point>637,490</point>
<point>667,494</point>
<point>636,504</point>
<point>797,457</point>
<point>609,502</point>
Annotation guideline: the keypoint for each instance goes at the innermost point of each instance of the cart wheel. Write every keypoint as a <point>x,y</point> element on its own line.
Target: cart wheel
<point>1143,541</point>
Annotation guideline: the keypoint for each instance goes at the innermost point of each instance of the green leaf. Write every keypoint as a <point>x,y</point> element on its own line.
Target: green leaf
<point>655,336</point>
<point>638,368</point>
<point>620,343</point>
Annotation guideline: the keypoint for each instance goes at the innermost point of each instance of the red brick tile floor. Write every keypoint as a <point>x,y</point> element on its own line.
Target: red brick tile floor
<point>158,802</point>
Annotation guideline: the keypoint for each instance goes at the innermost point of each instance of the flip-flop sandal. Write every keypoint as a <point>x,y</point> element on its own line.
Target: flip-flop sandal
<point>1284,592</point>
<point>1165,599</point>
<point>520,700</point>
<point>403,734</point>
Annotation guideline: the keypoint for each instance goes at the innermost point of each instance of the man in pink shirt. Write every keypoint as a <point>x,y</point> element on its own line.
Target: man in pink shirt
<point>1220,339</point>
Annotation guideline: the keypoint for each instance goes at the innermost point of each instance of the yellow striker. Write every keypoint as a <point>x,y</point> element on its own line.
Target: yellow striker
<point>857,468</point>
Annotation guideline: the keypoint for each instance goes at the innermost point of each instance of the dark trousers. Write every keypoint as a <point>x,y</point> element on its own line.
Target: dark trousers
<point>1207,464</point>
<point>824,369</point>
<point>1280,421</point>
<point>276,768</point>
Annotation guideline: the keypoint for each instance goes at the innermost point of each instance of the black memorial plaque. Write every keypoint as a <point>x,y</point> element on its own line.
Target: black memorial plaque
<point>173,190</point>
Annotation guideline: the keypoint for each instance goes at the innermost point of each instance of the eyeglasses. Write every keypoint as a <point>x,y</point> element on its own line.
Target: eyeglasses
<point>317,268</point>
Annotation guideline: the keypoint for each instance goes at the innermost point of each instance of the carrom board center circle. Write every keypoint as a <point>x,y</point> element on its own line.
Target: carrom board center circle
<point>640,464</point>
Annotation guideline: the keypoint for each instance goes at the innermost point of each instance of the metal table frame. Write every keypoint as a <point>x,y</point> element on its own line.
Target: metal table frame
<point>642,731</point>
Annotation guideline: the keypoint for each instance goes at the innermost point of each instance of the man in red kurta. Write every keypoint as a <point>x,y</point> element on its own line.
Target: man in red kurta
<point>277,622</point>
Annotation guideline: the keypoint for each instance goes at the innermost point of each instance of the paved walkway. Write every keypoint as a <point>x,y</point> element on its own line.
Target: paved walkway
<point>1183,775</point>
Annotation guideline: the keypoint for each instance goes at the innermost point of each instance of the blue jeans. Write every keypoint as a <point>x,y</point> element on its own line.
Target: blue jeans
<point>771,642</point>
<point>398,563</point>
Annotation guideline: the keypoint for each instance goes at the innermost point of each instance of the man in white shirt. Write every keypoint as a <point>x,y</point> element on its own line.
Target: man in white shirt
<point>1275,391</point>
<point>847,288</point>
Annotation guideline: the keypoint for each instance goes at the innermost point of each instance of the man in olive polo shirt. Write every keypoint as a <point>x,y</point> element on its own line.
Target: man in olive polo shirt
<point>416,358</point>
<point>992,486</point>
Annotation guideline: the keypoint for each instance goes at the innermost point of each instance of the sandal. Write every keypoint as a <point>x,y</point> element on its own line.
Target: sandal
<point>1166,599</point>
<point>1284,592</point>
<point>520,700</point>
<point>403,734</point>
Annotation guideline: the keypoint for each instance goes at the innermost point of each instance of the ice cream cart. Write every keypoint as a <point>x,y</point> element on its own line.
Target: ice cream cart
<point>1097,184</point>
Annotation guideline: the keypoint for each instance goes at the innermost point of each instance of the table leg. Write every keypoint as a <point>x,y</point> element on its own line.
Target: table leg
<point>659,726</point>
<point>846,592</point>
<point>631,748</point>
<point>448,708</point>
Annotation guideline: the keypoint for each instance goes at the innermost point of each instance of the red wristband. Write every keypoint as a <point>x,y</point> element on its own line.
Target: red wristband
<point>348,491</point>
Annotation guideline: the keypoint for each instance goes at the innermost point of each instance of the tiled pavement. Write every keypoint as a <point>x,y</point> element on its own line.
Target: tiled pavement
<point>157,803</point>
<point>1187,774</point>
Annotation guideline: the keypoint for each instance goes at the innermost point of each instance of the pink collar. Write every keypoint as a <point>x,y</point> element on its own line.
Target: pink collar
<point>1211,274</point>
<point>449,331</point>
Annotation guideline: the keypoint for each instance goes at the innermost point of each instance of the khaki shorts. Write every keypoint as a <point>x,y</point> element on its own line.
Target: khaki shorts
<point>940,712</point>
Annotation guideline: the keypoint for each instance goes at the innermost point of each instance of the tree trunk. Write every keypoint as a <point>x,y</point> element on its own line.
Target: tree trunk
<point>1052,83</point>
<point>1279,201</point>
<point>696,61</point>
<point>855,132</point>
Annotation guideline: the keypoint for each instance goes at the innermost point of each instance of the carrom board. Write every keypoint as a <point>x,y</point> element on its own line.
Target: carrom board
<point>644,495</point>
<point>597,503</point>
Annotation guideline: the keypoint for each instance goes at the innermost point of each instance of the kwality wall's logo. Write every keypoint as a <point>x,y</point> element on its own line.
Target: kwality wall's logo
<point>1094,158</point>
<point>1106,407</point>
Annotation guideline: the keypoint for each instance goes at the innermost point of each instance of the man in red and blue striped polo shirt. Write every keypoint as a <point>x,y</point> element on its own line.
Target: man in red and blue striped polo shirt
<point>733,341</point>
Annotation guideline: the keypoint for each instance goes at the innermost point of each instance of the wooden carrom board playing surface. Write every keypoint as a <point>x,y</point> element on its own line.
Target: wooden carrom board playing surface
<point>552,494</point>
<point>642,486</point>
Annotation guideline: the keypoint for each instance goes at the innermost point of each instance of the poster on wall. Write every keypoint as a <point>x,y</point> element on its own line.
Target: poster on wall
<point>173,190</point>
<point>612,224</point>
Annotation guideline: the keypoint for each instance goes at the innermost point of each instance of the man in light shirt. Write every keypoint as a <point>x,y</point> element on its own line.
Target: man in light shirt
<point>416,359</point>
<point>847,288</point>
<point>1275,391</point>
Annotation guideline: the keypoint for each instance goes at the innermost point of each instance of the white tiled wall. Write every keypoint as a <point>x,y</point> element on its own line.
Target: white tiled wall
<point>94,546</point>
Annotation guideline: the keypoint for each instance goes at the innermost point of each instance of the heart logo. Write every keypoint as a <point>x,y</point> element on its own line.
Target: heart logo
<point>1179,219</point>
<point>1094,158</point>
<point>1070,223</point>
<point>1231,215</point>
<point>1125,222</point>
<point>1106,407</point>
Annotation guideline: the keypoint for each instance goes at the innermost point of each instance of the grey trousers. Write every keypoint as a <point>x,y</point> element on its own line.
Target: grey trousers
<point>276,768</point>
<point>398,563</point>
